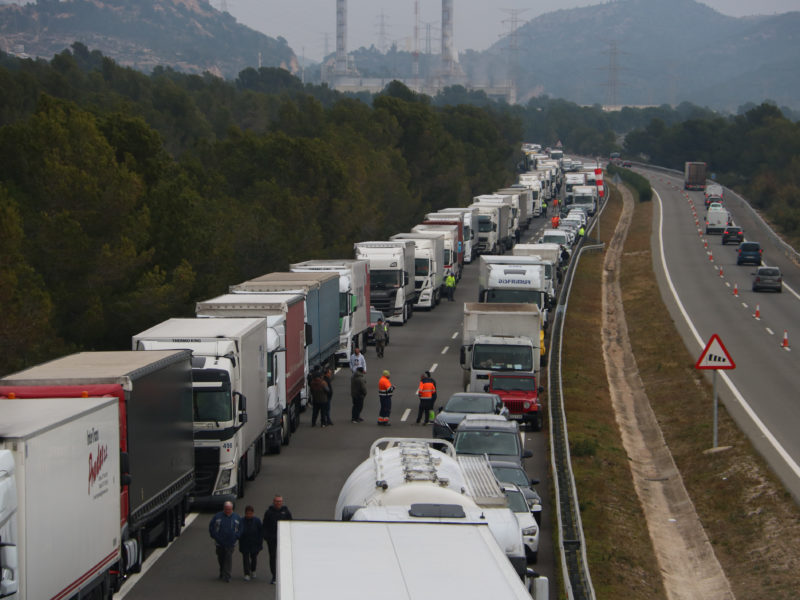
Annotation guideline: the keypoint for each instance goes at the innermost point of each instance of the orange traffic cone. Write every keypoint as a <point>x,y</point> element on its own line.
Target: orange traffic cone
<point>705,243</point>
<point>736,290</point>
<point>720,272</point>
<point>785,343</point>
<point>757,316</point>
<point>710,257</point>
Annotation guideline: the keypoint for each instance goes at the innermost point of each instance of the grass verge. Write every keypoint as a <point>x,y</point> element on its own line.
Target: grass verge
<point>752,522</point>
<point>621,558</point>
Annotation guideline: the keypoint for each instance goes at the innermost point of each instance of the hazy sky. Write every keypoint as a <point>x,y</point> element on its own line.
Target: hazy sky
<point>477,23</point>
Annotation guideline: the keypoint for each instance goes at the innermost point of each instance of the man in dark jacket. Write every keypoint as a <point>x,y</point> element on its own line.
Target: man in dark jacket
<point>326,410</point>
<point>319,398</point>
<point>358,391</point>
<point>276,512</point>
<point>225,528</point>
<point>251,542</point>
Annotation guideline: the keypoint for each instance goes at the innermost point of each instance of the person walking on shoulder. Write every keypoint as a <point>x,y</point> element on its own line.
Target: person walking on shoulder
<point>327,377</point>
<point>450,285</point>
<point>251,542</point>
<point>385,391</point>
<point>379,334</point>
<point>357,360</point>
<point>276,512</point>
<point>358,391</point>
<point>225,529</point>
<point>426,393</point>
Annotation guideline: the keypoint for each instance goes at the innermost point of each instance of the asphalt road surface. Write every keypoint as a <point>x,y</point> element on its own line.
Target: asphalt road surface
<point>310,471</point>
<point>765,386</point>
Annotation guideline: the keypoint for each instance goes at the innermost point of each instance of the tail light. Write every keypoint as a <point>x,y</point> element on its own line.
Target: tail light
<point>760,251</point>
<point>758,279</point>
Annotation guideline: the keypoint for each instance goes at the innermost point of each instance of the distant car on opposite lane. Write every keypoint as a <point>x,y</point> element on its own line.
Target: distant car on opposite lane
<point>767,278</point>
<point>732,233</point>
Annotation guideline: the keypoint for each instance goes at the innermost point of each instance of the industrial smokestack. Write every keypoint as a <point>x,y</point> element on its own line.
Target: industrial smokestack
<point>447,35</point>
<point>341,36</point>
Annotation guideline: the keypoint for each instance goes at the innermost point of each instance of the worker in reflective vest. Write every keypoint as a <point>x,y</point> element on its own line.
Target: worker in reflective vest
<point>426,393</point>
<point>555,221</point>
<point>450,285</point>
<point>385,391</point>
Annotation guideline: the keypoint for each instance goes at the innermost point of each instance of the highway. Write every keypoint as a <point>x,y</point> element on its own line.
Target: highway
<point>311,470</point>
<point>762,392</point>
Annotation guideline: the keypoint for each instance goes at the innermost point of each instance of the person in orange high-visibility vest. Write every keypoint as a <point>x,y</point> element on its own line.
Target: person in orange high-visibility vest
<point>426,393</point>
<point>555,221</point>
<point>385,391</point>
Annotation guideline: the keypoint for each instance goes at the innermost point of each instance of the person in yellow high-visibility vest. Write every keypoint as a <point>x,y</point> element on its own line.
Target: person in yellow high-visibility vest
<point>450,285</point>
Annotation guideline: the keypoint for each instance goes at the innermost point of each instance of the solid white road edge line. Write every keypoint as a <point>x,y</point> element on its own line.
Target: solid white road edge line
<point>151,560</point>
<point>739,398</point>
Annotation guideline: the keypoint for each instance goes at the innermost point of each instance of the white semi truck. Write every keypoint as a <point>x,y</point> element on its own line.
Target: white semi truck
<point>232,423</point>
<point>525,201</point>
<point>500,338</point>
<point>354,301</point>
<point>453,246</point>
<point>583,196</point>
<point>59,497</point>
<point>508,234</point>
<point>407,480</point>
<point>428,266</point>
<point>511,279</point>
<point>492,227</point>
<point>391,279</point>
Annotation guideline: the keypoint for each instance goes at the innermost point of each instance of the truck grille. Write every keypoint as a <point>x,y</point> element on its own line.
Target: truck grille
<point>206,466</point>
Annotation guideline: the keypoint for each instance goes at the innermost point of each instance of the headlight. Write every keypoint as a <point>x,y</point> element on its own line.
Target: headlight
<point>530,530</point>
<point>526,405</point>
<point>225,477</point>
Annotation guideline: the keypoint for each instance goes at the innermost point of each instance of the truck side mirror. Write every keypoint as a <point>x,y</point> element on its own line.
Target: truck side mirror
<point>494,226</point>
<point>242,400</point>
<point>309,334</point>
<point>463,356</point>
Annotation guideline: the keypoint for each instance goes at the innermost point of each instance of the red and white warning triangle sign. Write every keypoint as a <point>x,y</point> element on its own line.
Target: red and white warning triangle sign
<point>715,356</point>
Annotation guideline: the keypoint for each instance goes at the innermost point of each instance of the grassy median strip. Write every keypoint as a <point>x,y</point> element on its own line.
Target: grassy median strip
<point>752,522</point>
<point>620,554</point>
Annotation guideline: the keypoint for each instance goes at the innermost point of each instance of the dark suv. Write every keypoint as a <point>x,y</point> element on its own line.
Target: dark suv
<point>767,278</point>
<point>749,252</point>
<point>732,233</point>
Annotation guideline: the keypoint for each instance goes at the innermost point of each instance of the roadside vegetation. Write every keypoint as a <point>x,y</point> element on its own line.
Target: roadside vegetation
<point>640,185</point>
<point>621,558</point>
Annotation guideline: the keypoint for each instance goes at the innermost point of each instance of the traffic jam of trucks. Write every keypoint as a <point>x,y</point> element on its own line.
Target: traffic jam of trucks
<point>185,417</point>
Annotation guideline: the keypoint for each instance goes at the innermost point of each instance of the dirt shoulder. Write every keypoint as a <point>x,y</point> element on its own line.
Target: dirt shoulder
<point>687,562</point>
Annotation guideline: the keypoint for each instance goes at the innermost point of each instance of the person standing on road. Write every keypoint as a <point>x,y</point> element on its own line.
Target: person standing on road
<point>385,391</point>
<point>225,528</point>
<point>276,512</point>
<point>251,542</point>
<point>358,391</point>
<point>555,221</point>
<point>426,393</point>
<point>379,335</point>
<point>319,397</point>
<point>581,232</point>
<point>357,360</point>
<point>450,285</point>
<point>326,410</point>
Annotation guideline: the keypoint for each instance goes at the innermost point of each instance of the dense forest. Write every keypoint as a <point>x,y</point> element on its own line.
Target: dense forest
<point>757,153</point>
<point>125,197</point>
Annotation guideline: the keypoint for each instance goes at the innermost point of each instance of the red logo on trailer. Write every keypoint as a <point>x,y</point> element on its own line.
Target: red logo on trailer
<point>715,356</point>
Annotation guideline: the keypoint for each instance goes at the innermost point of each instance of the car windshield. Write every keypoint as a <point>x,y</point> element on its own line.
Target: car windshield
<point>516,501</point>
<point>374,315</point>
<point>554,239</point>
<point>769,272</point>
<point>513,475</point>
<point>487,442</point>
<point>523,384</point>
<point>470,404</point>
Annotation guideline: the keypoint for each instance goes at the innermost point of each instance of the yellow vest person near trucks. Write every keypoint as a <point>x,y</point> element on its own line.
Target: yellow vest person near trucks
<point>450,286</point>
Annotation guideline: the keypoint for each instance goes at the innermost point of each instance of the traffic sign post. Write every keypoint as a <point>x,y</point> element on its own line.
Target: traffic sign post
<point>715,357</point>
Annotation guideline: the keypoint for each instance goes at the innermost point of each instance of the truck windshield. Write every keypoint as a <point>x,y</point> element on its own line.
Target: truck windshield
<point>344,304</point>
<point>421,267</point>
<point>384,278</point>
<point>467,233</point>
<point>514,296</point>
<point>496,357</point>
<point>513,383</point>
<point>211,395</point>
<point>484,223</point>
<point>582,199</point>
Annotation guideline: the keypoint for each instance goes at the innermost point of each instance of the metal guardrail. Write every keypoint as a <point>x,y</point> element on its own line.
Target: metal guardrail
<point>574,563</point>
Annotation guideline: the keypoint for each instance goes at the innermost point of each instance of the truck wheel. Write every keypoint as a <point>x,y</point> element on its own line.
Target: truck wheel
<point>241,477</point>
<point>294,415</point>
<point>286,427</point>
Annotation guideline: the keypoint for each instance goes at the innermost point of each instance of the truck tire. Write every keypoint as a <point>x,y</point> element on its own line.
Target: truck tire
<point>286,428</point>
<point>241,477</point>
<point>294,414</point>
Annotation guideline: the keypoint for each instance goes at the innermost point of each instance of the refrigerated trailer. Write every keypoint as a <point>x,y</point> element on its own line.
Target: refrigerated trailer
<point>154,394</point>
